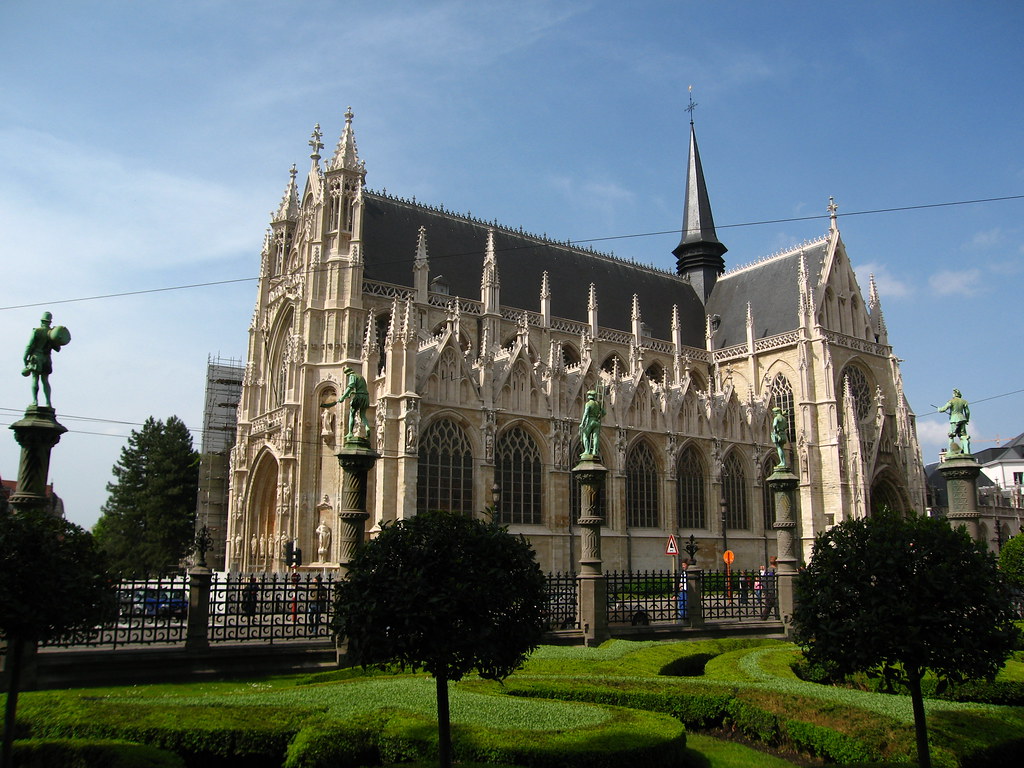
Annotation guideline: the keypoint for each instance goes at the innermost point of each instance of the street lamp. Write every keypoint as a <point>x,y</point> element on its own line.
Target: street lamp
<point>495,498</point>
<point>691,549</point>
<point>725,535</point>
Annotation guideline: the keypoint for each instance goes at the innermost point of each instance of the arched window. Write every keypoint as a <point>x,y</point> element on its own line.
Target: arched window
<point>445,477</point>
<point>641,488</point>
<point>277,363</point>
<point>859,388</point>
<point>690,476</point>
<point>734,490</point>
<point>768,497</point>
<point>570,356</point>
<point>613,364</point>
<point>517,472</point>
<point>655,372</point>
<point>782,397</point>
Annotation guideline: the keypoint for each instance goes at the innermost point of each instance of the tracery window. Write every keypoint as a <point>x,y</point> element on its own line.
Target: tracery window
<point>445,477</point>
<point>517,470</point>
<point>734,491</point>
<point>859,388</point>
<point>690,489</point>
<point>782,397</point>
<point>641,488</point>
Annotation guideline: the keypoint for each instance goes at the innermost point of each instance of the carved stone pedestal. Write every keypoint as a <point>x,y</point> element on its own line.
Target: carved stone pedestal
<point>37,432</point>
<point>356,459</point>
<point>961,475</point>
<point>783,483</point>
<point>593,589</point>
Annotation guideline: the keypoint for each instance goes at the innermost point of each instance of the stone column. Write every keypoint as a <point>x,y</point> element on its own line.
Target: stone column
<point>200,579</point>
<point>356,459</point>
<point>37,432</point>
<point>961,475</point>
<point>593,589</point>
<point>783,483</point>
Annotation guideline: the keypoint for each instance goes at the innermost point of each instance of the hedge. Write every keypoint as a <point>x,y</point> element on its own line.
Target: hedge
<point>91,753</point>
<point>392,736</point>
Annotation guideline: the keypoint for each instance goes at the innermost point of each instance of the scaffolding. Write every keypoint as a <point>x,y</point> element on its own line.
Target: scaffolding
<point>220,420</point>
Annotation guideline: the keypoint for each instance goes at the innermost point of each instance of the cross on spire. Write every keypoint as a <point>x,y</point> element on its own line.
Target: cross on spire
<point>315,142</point>
<point>692,105</point>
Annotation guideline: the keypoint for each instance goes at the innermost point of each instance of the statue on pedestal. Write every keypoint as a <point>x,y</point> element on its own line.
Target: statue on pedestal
<point>590,426</point>
<point>959,417</point>
<point>356,389</point>
<point>780,435</point>
<point>38,363</point>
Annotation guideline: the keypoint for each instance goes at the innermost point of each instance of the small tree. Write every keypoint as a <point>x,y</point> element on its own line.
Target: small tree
<point>1011,561</point>
<point>443,593</point>
<point>148,522</point>
<point>52,582</point>
<point>895,597</point>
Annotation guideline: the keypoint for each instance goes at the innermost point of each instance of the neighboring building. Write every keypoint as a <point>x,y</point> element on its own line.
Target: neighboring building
<point>479,343</point>
<point>54,503</point>
<point>223,389</point>
<point>1005,464</point>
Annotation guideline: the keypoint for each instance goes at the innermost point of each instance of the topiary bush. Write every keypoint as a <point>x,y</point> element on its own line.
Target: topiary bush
<point>91,753</point>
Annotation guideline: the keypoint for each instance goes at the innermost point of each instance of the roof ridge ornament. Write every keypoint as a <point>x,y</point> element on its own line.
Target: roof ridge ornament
<point>833,226</point>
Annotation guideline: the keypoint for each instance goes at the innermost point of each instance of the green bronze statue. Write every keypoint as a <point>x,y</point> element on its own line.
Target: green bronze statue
<point>356,389</point>
<point>38,363</point>
<point>590,426</point>
<point>780,435</point>
<point>959,417</point>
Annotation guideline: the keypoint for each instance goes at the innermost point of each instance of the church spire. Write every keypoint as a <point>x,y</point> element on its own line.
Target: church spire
<point>346,157</point>
<point>699,253</point>
<point>289,208</point>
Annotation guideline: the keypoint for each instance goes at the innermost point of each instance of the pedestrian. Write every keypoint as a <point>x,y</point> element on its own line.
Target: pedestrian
<point>317,605</point>
<point>681,599</point>
<point>249,595</point>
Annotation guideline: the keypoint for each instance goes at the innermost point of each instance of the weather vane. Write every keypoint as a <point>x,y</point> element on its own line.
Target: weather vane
<point>692,105</point>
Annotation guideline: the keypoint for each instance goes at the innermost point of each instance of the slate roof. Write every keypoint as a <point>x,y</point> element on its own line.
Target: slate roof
<point>772,288</point>
<point>455,249</point>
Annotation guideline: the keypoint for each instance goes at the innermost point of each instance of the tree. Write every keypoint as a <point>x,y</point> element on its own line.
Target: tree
<point>447,594</point>
<point>1011,561</point>
<point>147,524</point>
<point>52,582</point>
<point>894,597</point>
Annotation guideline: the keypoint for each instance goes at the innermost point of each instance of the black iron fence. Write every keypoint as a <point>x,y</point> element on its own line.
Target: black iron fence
<point>737,595</point>
<point>563,601</point>
<point>269,607</point>
<point>272,607</point>
<point>144,612</point>
<point>644,597</point>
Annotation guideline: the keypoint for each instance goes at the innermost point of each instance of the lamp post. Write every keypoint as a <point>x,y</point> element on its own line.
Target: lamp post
<point>725,535</point>
<point>691,549</point>
<point>495,498</point>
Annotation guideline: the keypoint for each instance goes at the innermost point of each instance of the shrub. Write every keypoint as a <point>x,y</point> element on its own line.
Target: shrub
<point>91,753</point>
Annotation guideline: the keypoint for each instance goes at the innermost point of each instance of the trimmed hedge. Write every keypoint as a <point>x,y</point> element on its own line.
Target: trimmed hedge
<point>222,735</point>
<point>391,736</point>
<point>757,714</point>
<point>91,753</point>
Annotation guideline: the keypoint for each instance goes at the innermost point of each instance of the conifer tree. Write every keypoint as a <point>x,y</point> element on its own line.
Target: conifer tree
<point>147,524</point>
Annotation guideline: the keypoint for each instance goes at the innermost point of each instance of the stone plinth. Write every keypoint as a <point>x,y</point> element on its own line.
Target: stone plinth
<point>37,432</point>
<point>356,459</point>
<point>961,473</point>
<point>783,483</point>
<point>593,589</point>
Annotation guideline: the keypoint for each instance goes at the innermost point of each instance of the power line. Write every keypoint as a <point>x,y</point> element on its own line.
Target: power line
<point>438,257</point>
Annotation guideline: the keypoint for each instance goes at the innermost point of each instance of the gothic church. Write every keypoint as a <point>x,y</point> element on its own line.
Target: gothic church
<point>479,343</point>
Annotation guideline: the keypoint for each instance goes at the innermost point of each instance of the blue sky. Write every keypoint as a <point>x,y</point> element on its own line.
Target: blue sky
<point>143,144</point>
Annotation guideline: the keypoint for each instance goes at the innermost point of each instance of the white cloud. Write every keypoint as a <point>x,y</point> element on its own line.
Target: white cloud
<point>889,285</point>
<point>932,434</point>
<point>989,238</point>
<point>949,282</point>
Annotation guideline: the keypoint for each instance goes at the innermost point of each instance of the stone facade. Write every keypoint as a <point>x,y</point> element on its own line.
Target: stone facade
<point>479,343</point>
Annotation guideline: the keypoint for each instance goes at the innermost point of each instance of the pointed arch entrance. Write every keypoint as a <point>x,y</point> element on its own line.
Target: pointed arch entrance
<point>262,513</point>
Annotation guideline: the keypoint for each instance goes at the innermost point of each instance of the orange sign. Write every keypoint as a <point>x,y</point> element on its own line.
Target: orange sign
<point>728,556</point>
<point>671,548</point>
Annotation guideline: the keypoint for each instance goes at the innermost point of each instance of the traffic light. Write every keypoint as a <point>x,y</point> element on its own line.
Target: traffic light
<point>292,555</point>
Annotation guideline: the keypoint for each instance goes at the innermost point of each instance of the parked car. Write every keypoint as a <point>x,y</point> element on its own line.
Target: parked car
<point>167,602</point>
